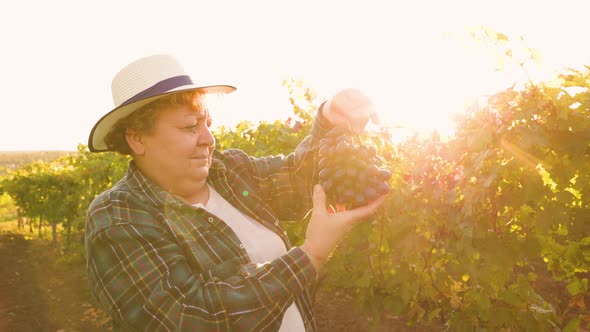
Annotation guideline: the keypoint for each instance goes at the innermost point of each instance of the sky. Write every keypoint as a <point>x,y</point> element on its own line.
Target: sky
<point>414,59</point>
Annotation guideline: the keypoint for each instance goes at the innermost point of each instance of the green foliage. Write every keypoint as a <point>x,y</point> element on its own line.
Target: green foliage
<point>7,207</point>
<point>473,224</point>
<point>94,173</point>
<point>60,190</point>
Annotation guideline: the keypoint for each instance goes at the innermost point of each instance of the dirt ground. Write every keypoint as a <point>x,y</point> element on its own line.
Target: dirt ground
<point>39,293</point>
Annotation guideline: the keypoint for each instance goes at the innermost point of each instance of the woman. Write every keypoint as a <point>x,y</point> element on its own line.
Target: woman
<point>190,238</point>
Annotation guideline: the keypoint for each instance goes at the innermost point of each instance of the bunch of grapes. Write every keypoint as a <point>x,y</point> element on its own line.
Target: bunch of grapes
<point>350,171</point>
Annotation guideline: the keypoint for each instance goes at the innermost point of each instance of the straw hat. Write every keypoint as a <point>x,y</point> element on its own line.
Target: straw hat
<point>140,83</point>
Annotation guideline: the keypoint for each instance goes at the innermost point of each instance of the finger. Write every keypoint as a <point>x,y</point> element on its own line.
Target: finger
<point>319,200</point>
<point>331,210</point>
<point>358,127</point>
<point>359,118</point>
<point>340,120</point>
<point>362,212</point>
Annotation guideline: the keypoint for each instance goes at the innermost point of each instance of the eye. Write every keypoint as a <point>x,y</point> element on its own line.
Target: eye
<point>191,127</point>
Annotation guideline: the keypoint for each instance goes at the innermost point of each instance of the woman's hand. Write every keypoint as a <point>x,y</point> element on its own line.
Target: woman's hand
<point>325,230</point>
<point>350,109</point>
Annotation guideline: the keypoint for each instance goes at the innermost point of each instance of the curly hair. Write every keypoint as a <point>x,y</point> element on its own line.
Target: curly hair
<point>143,120</point>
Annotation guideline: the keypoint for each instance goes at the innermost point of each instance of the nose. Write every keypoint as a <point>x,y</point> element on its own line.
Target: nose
<point>206,137</point>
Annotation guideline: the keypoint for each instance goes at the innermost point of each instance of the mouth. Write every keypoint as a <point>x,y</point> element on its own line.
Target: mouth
<point>204,157</point>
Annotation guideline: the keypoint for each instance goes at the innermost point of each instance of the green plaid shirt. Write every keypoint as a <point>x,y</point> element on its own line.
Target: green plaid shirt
<point>156,263</point>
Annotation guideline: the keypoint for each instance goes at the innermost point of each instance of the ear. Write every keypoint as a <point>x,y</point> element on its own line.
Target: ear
<point>135,141</point>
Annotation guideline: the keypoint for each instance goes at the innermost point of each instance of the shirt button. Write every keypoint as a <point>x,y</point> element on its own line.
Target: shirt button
<point>241,246</point>
<point>276,223</point>
<point>210,219</point>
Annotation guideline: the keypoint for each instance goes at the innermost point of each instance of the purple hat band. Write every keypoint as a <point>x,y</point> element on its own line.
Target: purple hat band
<point>160,88</point>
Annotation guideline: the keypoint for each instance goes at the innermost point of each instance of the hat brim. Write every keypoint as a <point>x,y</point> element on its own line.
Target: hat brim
<point>96,142</point>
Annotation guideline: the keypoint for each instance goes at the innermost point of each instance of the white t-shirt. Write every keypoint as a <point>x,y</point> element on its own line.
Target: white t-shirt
<point>261,244</point>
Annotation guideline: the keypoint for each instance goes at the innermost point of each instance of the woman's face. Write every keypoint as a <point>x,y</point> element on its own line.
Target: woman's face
<point>177,152</point>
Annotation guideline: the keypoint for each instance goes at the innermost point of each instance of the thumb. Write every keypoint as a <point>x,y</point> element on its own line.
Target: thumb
<point>319,199</point>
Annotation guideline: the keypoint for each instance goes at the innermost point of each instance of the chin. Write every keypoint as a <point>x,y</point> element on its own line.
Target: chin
<point>201,174</point>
